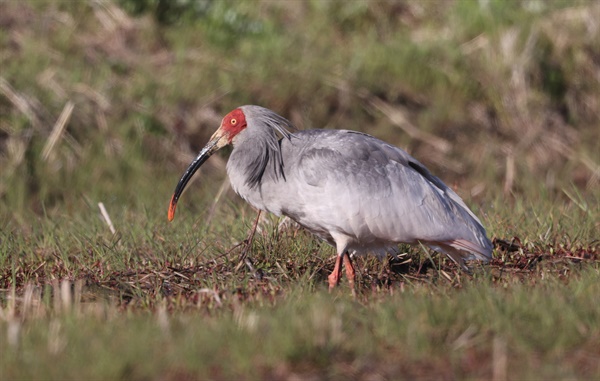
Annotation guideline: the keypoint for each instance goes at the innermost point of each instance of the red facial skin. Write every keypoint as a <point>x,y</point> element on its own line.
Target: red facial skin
<point>233,123</point>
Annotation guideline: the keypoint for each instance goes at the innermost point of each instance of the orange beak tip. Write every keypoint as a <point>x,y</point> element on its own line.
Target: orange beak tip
<point>172,207</point>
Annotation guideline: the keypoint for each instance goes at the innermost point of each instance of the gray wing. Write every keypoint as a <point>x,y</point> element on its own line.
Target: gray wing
<point>376,192</point>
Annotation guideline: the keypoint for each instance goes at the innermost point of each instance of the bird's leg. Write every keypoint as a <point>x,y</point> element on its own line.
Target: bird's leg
<point>349,269</point>
<point>336,274</point>
<point>248,247</point>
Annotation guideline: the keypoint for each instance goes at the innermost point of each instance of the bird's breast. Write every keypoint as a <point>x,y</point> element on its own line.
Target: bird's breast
<point>264,195</point>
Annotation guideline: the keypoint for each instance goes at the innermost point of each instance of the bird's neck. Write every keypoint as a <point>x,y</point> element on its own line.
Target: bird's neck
<point>253,161</point>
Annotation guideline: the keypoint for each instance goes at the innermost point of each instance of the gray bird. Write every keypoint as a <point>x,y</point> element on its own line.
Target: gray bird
<point>356,192</point>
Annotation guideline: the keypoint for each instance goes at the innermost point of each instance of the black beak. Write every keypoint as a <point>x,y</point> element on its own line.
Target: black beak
<point>210,148</point>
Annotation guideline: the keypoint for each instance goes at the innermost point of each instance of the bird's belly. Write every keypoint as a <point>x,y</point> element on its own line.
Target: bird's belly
<point>356,246</point>
<point>361,237</point>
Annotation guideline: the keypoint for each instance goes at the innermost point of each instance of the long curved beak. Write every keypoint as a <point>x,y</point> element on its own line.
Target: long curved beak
<point>211,147</point>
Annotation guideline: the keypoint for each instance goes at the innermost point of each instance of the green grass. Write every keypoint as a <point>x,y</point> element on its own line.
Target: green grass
<point>161,300</point>
<point>544,330</point>
<point>508,87</point>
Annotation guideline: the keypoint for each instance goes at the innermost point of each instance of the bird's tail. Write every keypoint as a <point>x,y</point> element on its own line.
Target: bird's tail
<point>474,243</point>
<point>461,250</point>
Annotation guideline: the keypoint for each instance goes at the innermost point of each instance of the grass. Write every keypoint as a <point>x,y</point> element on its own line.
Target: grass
<point>503,102</point>
<point>169,301</point>
<point>485,328</point>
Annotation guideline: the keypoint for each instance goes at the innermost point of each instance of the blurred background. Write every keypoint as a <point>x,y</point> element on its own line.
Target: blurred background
<point>110,100</point>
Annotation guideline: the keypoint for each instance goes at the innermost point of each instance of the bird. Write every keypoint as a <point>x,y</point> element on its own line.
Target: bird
<point>354,191</point>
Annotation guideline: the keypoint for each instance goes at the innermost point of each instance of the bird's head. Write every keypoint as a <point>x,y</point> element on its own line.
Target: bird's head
<point>231,125</point>
<point>262,121</point>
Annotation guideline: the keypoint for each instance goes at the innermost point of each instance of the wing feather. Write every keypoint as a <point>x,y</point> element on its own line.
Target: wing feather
<point>372,190</point>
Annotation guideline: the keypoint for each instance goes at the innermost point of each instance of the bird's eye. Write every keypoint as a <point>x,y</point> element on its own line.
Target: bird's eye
<point>233,121</point>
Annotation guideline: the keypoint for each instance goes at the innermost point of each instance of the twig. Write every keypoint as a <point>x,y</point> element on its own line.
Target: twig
<point>106,217</point>
<point>19,101</point>
<point>214,294</point>
<point>58,129</point>
<point>283,272</point>
<point>510,172</point>
<point>397,117</point>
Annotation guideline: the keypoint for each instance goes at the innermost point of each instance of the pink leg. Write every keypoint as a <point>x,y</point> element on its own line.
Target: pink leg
<point>336,274</point>
<point>349,269</point>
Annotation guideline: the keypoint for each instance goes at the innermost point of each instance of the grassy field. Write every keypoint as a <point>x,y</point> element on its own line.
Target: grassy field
<point>105,103</point>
